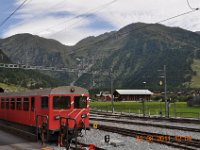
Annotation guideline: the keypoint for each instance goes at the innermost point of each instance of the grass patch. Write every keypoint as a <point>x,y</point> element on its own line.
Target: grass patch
<point>180,109</point>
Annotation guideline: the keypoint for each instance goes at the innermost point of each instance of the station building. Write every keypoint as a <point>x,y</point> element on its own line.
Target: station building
<point>132,95</point>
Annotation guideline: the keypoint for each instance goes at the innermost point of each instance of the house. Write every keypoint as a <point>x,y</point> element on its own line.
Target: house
<point>194,100</point>
<point>132,95</point>
<point>103,96</point>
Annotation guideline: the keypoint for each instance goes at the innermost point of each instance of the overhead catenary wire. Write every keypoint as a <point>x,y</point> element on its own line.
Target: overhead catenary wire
<point>85,14</point>
<point>143,27</point>
<point>188,3</point>
<point>17,9</point>
<point>103,6</point>
<point>161,21</point>
<point>139,28</point>
<point>55,5</point>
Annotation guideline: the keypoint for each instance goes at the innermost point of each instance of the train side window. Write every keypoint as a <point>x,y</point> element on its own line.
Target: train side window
<point>32,103</point>
<point>44,102</point>
<point>12,104</point>
<point>19,104</point>
<point>80,102</point>
<point>61,102</point>
<point>26,104</point>
<point>2,104</point>
<point>7,103</point>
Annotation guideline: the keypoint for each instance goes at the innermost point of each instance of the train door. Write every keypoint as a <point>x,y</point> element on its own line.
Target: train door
<point>41,109</point>
<point>32,111</point>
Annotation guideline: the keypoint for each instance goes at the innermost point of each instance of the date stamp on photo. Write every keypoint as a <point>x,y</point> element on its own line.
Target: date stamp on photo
<point>162,138</point>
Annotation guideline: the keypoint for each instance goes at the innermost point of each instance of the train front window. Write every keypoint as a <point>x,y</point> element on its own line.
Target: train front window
<point>61,102</point>
<point>80,102</point>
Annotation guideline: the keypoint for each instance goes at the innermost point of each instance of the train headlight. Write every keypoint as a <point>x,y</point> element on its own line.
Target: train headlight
<point>72,89</point>
<point>83,115</point>
<point>57,117</point>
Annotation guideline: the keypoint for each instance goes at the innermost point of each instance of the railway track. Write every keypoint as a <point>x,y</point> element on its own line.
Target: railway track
<point>170,140</point>
<point>153,118</point>
<point>146,124</point>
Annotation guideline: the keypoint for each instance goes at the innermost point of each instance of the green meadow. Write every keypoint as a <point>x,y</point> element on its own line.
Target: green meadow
<point>178,109</point>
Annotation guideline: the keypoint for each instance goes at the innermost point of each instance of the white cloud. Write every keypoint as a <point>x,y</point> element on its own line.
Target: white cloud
<point>47,18</point>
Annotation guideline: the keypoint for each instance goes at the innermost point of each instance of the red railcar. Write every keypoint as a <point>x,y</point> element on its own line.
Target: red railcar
<point>66,106</point>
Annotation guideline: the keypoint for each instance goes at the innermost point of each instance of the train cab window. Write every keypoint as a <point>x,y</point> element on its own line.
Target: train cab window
<point>45,102</point>
<point>12,104</point>
<point>19,104</point>
<point>7,103</point>
<point>26,104</point>
<point>61,102</point>
<point>80,102</point>
<point>32,103</point>
<point>2,104</point>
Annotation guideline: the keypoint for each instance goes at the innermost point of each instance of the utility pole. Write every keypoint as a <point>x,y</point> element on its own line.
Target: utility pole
<point>164,76</point>
<point>165,89</point>
<point>143,99</point>
<point>111,88</point>
<point>143,107</point>
<point>144,84</point>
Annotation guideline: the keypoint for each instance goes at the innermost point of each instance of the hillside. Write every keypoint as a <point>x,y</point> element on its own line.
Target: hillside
<point>22,78</point>
<point>35,50</point>
<point>136,53</point>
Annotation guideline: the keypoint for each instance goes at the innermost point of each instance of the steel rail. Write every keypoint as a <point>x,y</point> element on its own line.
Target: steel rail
<point>131,116</point>
<point>147,124</point>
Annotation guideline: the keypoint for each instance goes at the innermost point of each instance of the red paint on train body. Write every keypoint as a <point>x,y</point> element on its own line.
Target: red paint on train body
<point>66,101</point>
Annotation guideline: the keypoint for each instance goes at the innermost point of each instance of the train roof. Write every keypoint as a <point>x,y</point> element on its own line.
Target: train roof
<point>48,91</point>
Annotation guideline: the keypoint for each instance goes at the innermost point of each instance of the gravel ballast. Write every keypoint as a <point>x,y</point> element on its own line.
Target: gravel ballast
<point>119,142</point>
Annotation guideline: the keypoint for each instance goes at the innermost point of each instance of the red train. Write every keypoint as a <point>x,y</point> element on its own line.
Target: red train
<point>61,111</point>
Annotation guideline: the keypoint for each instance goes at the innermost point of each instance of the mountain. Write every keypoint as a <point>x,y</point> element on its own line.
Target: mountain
<point>4,58</point>
<point>35,50</point>
<point>198,32</point>
<point>136,53</point>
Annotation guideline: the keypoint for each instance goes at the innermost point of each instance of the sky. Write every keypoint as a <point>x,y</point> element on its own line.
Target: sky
<point>69,21</point>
